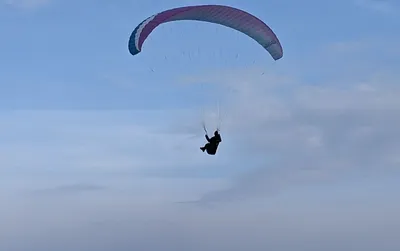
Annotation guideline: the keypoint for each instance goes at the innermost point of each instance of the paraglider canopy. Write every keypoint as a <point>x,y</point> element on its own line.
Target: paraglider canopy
<point>219,14</point>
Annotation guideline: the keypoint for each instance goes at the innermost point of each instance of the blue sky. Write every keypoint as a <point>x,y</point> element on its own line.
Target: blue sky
<point>99,149</point>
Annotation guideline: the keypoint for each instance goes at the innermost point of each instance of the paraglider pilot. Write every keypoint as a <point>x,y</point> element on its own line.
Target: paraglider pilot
<point>212,145</point>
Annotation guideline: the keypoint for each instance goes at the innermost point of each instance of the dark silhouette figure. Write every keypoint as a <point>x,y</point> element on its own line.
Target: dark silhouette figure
<point>212,145</point>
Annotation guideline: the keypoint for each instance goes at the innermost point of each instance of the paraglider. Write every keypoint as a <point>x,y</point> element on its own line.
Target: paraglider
<point>231,17</point>
<point>212,146</point>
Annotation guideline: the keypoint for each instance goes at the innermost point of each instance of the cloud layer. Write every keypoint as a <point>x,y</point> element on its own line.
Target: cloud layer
<point>317,163</point>
<point>382,6</point>
<point>25,4</point>
<point>313,133</point>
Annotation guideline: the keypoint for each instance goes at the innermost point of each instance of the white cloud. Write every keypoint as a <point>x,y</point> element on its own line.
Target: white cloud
<point>86,142</point>
<point>26,4</point>
<point>313,133</point>
<point>136,213</point>
<point>383,6</point>
<point>106,223</point>
<point>350,46</point>
<point>323,158</point>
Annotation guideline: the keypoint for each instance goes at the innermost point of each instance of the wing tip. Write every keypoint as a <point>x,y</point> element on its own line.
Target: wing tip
<point>275,50</point>
<point>276,58</point>
<point>132,47</point>
<point>134,51</point>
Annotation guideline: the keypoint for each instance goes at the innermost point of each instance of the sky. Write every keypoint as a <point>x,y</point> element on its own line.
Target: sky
<point>100,149</point>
